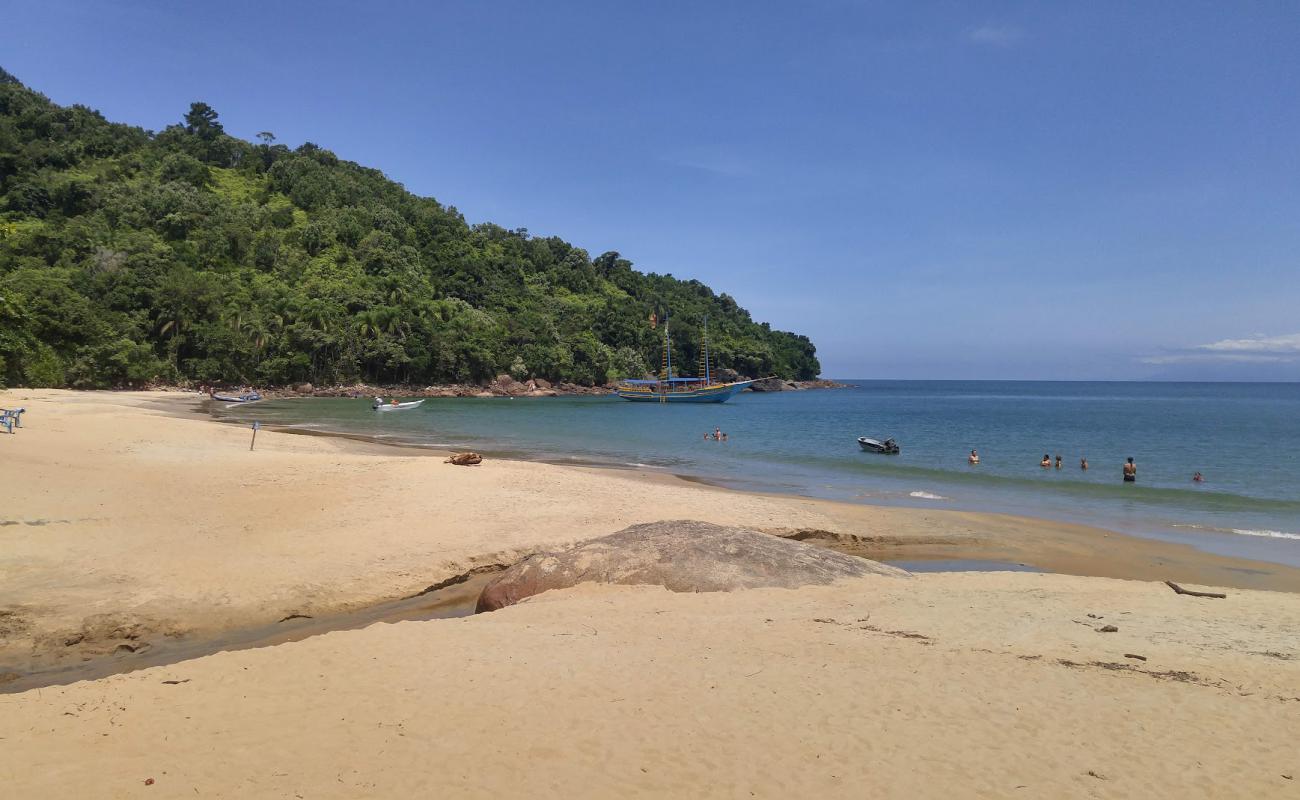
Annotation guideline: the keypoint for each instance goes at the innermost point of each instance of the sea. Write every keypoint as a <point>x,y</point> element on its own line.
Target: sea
<point>1244,439</point>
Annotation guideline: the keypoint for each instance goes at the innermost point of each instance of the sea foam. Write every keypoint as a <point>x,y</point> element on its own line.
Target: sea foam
<point>1270,534</point>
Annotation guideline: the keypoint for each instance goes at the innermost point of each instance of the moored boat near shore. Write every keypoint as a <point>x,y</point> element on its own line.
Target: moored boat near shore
<point>680,390</point>
<point>379,405</point>
<point>668,388</point>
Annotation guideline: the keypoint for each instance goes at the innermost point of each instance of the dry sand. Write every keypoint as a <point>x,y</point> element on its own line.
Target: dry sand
<point>124,522</point>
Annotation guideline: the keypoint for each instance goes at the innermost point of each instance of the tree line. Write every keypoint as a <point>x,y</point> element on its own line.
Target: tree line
<point>190,255</point>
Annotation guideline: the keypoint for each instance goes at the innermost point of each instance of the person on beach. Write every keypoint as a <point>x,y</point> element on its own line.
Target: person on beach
<point>1083,464</point>
<point>974,457</point>
<point>1058,460</point>
<point>1130,471</point>
<point>1046,463</point>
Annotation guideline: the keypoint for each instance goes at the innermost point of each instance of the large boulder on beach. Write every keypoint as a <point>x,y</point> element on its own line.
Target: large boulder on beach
<point>680,555</point>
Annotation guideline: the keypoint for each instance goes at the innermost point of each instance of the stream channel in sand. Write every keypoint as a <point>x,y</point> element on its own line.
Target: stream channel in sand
<point>449,602</point>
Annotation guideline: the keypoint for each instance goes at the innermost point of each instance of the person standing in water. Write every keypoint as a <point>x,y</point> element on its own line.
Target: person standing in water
<point>1083,464</point>
<point>974,457</point>
<point>1046,463</point>
<point>1058,460</point>
<point>1130,471</point>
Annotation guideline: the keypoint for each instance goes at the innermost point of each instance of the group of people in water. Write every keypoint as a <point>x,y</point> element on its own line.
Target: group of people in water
<point>1130,467</point>
<point>716,436</point>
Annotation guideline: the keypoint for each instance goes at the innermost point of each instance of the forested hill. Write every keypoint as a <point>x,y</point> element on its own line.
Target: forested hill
<point>190,255</point>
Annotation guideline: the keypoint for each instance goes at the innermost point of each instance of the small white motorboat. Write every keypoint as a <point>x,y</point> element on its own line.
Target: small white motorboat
<point>246,397</point>
<point>379,405</point>
<point>888,447</point>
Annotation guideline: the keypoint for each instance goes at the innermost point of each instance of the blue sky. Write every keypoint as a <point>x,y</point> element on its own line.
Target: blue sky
<point>928,190</point>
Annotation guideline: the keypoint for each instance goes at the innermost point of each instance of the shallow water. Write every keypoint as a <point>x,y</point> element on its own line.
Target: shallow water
<point>1244,438</point>
<point>962,565</point>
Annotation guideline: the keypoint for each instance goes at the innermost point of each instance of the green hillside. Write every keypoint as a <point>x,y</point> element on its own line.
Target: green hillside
<point>190,255</point>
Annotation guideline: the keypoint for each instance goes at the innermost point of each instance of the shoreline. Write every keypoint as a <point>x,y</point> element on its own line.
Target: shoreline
<point>878,533</point>
<point>1210,541</point>
<point>127,524</point>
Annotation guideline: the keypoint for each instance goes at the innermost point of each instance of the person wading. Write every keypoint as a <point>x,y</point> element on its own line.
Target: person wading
<point>1130,471</point>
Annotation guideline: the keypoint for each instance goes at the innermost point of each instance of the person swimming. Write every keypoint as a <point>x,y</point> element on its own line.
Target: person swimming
<point>1083,463</point>
<point>1130,471</point>
<point>1198,478</point>
<point>1046,463</point>
<point>974,457</point>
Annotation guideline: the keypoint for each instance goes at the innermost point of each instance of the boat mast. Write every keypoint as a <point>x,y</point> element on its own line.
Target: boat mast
<point>707,381</point>
<point>668,350</point>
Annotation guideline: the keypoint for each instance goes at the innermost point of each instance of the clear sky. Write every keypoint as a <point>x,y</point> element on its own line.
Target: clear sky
<point>928,190</point>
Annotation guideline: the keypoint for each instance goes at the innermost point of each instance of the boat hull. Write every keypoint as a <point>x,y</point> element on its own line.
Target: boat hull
<point>398,407</point>
<point>719,393</point>
<point>888,447</point>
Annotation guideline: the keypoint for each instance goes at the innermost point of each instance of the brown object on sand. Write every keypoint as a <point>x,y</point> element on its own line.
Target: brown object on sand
<point>682,556</point>
<point>465,459</point>
<point>1190,593</point>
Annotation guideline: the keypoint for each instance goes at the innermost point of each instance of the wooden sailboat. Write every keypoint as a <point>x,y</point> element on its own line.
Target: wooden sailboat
<point>668,388</point>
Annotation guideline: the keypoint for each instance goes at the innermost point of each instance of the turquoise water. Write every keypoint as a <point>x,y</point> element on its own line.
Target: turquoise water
<point>1244,438</point>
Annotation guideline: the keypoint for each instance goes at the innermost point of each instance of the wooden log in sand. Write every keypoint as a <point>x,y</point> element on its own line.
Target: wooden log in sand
<point>1190,593</point>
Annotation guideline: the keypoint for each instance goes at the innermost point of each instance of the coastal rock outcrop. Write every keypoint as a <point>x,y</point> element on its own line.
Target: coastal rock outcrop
<point>682,556</point>
<point>772,385</point>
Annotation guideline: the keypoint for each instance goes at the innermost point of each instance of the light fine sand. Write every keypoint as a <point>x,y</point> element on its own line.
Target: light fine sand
<point>126,522</point>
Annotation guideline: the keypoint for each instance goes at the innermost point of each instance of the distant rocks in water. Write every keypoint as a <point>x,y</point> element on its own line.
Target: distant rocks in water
<point>780,385</point>
<point>464,459</point>
<point>682,556</point>
<point>772,385</point>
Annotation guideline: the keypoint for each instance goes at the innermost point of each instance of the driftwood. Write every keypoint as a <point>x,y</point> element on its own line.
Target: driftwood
<point>465,459</point>
<point>1190,593</point>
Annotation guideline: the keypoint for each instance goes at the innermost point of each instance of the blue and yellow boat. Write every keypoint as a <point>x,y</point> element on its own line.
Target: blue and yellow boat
<point>679,390</point>
<point>670,389</point>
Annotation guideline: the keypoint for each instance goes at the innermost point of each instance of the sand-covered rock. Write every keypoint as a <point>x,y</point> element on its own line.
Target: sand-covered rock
<point>682,556</point>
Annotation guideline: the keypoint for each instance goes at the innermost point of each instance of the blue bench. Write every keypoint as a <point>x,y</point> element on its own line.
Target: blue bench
<point>11,418</point>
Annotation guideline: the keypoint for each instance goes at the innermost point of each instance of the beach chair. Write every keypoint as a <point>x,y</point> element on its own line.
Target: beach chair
<point>11,418</point>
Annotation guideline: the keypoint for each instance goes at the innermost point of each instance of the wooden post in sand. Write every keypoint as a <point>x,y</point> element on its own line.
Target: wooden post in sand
<point>256,425</point>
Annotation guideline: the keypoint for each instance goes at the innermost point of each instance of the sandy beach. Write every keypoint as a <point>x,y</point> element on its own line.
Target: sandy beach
<point>132,519</point>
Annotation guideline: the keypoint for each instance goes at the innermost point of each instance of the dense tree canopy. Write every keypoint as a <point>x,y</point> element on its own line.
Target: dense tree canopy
<point>191,255</point>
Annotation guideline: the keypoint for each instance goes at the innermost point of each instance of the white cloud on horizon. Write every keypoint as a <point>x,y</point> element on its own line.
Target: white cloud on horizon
<point>1257,349</point>
<point>1289,343</point>
<point>995,35</point>
<point>1215,358</point>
